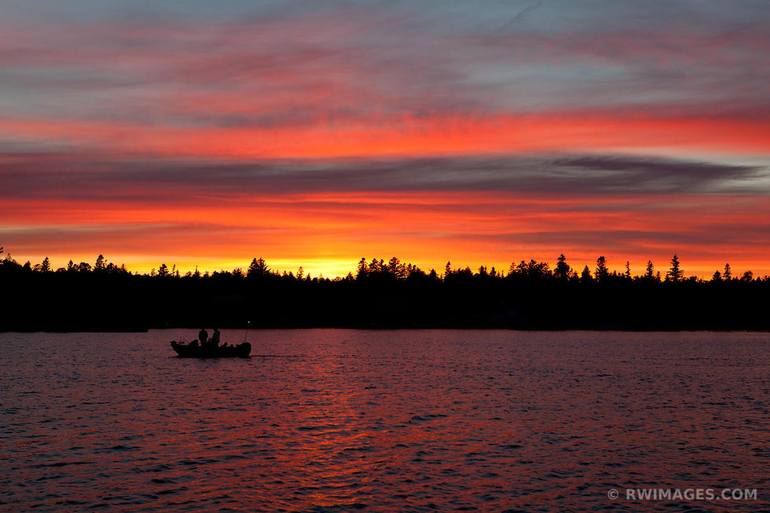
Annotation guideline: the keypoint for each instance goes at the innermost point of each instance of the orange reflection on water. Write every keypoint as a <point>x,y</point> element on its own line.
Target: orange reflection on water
<point>404,420</point>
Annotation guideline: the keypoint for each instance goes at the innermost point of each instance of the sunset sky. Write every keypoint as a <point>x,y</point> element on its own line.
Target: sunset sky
<point>203,133</point>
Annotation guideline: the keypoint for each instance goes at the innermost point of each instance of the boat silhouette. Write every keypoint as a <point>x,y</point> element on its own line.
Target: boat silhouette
<point>195,350</point>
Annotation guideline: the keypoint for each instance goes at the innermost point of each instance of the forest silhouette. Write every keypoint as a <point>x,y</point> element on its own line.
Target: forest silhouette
<point>380,294</point>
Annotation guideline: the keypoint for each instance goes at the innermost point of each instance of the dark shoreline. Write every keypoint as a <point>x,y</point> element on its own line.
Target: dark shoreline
<point>381,296</point>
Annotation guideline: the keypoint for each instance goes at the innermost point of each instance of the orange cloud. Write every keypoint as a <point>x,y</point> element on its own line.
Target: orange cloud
<point>330,232</point>
<point>409,136</point>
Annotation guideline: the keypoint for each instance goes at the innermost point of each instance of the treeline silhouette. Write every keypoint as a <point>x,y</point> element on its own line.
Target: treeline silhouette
<point>380,294</point>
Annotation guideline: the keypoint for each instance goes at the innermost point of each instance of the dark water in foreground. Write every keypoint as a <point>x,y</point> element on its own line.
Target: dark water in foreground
<point>383,421</point>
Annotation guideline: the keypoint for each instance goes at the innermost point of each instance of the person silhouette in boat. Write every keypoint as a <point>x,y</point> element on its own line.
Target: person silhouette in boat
<point>215,338</point>
<point>203,336</point>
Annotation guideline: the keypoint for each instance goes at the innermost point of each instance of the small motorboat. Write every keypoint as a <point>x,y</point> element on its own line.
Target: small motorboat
<point>195,350</point>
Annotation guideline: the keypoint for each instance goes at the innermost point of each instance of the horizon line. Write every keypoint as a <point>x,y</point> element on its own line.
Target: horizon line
<point>346,266</point>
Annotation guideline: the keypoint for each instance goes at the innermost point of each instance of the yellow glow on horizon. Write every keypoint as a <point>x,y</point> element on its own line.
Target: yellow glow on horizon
<point>339,267</point>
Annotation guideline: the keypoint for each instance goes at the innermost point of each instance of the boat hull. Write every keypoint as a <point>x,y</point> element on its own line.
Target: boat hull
<point>196,351</point>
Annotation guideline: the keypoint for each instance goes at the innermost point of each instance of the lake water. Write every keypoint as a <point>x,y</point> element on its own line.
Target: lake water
<point>338,420</point>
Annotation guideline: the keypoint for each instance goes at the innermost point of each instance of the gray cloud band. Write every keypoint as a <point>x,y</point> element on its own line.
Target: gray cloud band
<point>77,176</point>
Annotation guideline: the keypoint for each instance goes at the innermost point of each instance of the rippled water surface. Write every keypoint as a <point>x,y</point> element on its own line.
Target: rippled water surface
<point>336,420</point>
